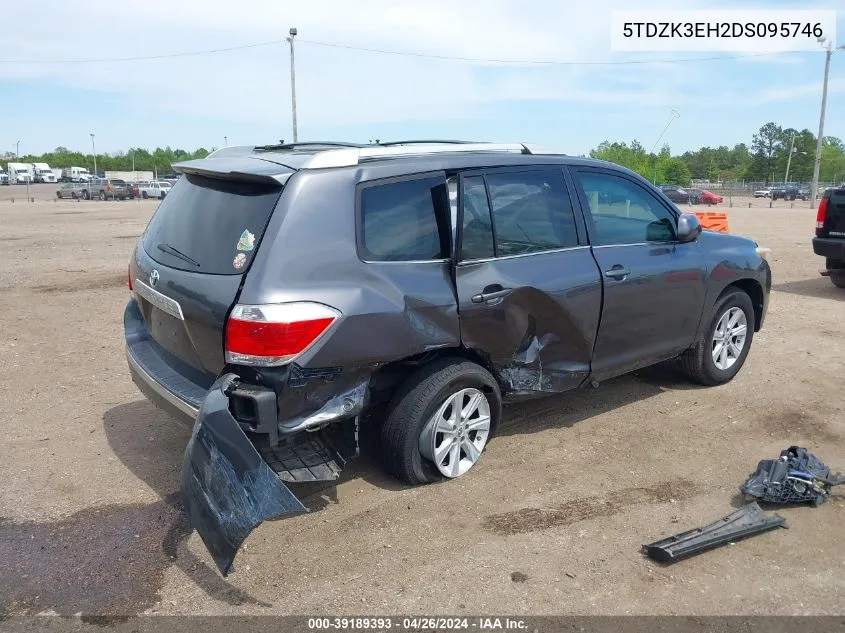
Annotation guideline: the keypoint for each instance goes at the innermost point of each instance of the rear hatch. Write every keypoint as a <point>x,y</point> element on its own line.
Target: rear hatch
<point>834,217</point>
<point>188,269</point>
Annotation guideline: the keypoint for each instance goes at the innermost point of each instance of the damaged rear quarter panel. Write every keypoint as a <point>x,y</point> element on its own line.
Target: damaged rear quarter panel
<point>381,322</point>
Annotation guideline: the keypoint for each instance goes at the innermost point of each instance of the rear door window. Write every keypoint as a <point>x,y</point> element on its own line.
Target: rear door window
<point>531,212</point>
<point>208,225</point>
<point>398,221</point>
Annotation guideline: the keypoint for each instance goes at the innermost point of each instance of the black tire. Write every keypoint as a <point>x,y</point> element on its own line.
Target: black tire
<point>836,278</point>
<point>416,401</point>
<point>74,196</point>
<point>144,195</point>
<point>102,195</point>
<point>86,195</point>
<point>697,362</point>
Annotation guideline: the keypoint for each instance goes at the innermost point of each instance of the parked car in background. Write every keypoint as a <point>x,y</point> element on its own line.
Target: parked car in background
<point>4,177</point>
<point>20,173</point>
<point>71,190</point>
<point>136,189</point>
<point>156,189</point>
<point>763,193</point>
<point>456,277</point>
<point>790,192</point>
<point>829,241</point>
<point>106,189</point>
<point>680,195</point>
<point>709,198</point>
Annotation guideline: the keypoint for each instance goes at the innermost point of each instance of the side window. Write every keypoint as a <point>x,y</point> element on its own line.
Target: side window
<point>623,212</point>
<point>531,212</point>
<point>399,221</point>
<point>477,230</point>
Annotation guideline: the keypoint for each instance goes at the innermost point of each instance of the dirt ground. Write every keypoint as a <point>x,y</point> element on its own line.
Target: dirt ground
<point>550,521</point>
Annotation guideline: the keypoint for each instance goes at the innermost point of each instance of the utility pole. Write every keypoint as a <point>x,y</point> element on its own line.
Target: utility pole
<point>225,141</point>
<point>94,149</point>
<point>789,160</point>
<point>18,150</point>
<point>829,48</point>
<point>293,83</point>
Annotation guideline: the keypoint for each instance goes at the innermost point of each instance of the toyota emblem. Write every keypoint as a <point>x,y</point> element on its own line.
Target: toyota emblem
<point>154,277</point>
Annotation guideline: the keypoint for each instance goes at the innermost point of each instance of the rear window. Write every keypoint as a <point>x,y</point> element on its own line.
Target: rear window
<point>398,220</point>
<point>211,226</point>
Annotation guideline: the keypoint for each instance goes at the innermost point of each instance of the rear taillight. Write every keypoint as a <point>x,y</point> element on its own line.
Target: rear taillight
<point>267,335</point>
<point>129,277</point>
<point>821,215</point>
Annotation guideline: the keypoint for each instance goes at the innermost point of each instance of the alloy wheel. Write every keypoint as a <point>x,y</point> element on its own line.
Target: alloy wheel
<point>729,338</point>
<point>454,437</point>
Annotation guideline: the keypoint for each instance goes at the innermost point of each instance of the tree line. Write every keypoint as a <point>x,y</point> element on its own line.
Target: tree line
<point>160,159</point>
<point>765,160</point>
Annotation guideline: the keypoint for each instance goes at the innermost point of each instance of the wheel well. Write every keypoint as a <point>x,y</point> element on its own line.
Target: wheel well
<point>389,376</point>
<point>755,292</point>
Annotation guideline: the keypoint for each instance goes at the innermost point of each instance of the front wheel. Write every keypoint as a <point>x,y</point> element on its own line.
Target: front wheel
<point>721,350</point>
<point>440,421</point>
<point>86,195</point>
<point>144,195</point>
<point>102,195</point>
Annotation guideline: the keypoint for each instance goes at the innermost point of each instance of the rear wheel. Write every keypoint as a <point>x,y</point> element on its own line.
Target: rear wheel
<point>102,195</point>
<point>144,195</point>
<point>836,271</point>
<point>440,421</point>
<point>86,195</point>
<point>721,350</point>
<point>74,196</point>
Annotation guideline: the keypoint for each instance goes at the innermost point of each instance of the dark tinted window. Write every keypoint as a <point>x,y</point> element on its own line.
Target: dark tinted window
<point>625,213</point>
<point>531,212</point>
<point>477,233</point>
<point>211,222</point>
<point>399,222</point>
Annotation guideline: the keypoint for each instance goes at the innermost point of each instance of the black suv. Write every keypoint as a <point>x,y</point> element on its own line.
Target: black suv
<point>830,234</point>
<point>790,192</point>
<point>283,295</point>
<point>681,194</point>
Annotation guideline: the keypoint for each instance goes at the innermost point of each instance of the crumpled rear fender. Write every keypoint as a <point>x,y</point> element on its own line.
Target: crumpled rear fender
<point>228,488</point>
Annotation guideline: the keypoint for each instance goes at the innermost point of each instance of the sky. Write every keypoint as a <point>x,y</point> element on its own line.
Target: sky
<point>351,95</point>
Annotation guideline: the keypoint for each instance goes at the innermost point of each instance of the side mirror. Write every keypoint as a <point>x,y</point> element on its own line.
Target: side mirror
<point>689,228</point>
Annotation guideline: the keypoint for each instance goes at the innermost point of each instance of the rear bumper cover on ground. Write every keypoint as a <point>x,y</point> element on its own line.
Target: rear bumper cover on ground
<point>227,486</point>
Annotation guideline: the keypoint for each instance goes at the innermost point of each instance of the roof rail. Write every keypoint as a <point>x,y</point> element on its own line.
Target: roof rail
<point>351,156</point>
<point>424,142</point>
<point>306,145</point>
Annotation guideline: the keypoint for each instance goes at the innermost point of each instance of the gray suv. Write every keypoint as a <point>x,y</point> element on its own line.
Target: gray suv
<point>283,296</point>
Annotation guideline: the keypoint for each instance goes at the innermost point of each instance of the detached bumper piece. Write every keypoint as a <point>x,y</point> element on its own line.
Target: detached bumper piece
<point>742,523</point>
<point>227,486</point>
<point>797,476</point>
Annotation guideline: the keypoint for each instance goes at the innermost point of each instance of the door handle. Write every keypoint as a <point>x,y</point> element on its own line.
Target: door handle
<point>487,297</point>
<point>617,272</point>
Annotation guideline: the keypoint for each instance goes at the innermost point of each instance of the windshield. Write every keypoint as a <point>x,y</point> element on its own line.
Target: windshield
<point>209,225</point>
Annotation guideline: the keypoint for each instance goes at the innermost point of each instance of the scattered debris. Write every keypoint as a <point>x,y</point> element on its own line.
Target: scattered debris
<point>746,521</point>
<point>797,476</point>
<point>518,576</point>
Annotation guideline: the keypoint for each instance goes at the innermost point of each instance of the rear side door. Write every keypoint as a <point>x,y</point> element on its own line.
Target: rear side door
<point>529,290</point>
<point>654,286</point>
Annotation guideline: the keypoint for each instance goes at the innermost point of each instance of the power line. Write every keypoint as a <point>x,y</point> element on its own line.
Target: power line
<point>140,57</point>
<point>533,61</point>
<point>382,51</point>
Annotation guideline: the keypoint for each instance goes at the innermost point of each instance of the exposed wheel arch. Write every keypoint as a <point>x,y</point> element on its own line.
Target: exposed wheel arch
<point>754,290</point>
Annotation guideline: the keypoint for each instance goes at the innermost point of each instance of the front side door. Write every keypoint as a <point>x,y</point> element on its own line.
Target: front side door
<point>529,290</point>
<point>654,286</point>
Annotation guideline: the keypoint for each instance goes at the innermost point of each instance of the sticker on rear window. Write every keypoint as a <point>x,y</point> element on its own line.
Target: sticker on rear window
<point>240,260</point>
<point>246,241</point>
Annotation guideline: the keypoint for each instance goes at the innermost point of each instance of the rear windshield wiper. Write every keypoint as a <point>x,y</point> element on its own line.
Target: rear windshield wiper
<point>167,248</point>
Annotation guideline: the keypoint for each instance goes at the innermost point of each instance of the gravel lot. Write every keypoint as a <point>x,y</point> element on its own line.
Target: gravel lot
<point>550,521</point>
